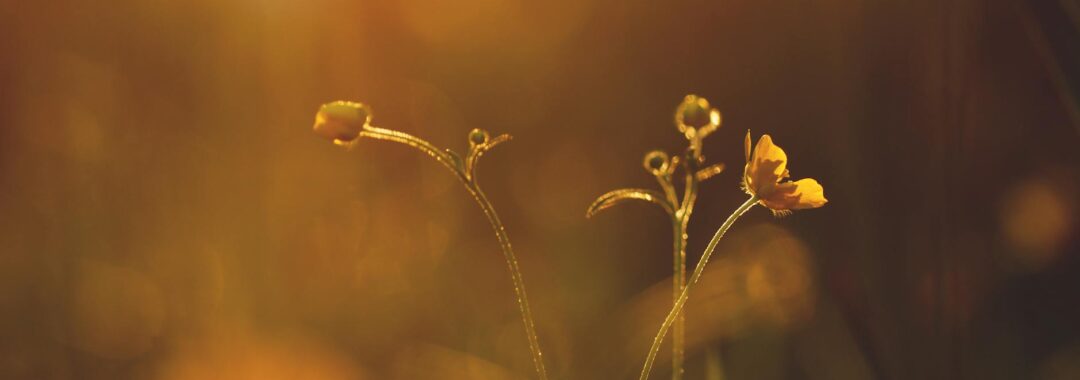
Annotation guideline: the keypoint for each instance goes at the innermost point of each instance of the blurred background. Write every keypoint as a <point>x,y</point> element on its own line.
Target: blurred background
<point>166,212</point>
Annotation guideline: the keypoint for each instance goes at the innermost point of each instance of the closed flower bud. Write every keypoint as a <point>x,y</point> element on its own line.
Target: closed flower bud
<point>341,121</point>
<point>695,113</point>
<point>478,137</point>
<point>656,162</point>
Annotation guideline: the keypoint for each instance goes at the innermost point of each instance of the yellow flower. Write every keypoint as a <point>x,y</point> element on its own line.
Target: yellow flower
<point>766,168</point>
<point>341,121</point>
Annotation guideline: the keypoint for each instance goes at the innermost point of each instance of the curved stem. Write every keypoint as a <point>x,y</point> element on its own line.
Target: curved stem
<point>452,162</point>
<point>669,190</point>
<point>515,276</point>
<point>401,137</point>
<point>681,301</point>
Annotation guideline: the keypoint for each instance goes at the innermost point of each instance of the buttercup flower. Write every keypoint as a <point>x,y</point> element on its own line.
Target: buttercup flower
<point>766,167</point>
<point>341,121</point>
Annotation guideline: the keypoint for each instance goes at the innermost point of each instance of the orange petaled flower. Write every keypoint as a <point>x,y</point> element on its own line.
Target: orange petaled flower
<point>766,167</point>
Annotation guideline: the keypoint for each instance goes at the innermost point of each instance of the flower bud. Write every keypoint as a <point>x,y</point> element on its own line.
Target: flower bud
<point>341,121</point>
<point>656,162</point>
<point>478,136</point>
<point>696,113</point>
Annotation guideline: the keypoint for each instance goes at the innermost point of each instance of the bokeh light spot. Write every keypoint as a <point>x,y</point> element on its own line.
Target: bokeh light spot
<point>1036,217</point>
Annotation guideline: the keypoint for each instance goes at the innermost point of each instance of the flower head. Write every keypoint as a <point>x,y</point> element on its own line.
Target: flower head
<point>766,167</point>
<point>341,121</point>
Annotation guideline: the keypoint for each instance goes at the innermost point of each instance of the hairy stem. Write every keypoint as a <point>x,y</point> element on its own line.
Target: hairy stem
<point>678,331</point>
<point>698,270</point>
<point>450,161</point>
<point>420,144</point>
<point>515,276</point>
<point>682,220</point>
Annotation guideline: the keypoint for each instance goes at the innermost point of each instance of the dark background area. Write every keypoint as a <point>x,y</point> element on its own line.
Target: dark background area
<point>166,212</point>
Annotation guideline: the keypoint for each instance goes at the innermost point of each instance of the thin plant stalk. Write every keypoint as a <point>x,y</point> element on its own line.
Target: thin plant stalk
<point>464,171</point>
<point>692,110</point>
<point>515,275</point>
<point>680,221</point>
<point>678,330</point>
<point>698,270</point>
<point>679,211</point>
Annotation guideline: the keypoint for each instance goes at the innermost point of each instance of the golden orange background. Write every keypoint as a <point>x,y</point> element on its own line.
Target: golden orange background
<point>166,212</point>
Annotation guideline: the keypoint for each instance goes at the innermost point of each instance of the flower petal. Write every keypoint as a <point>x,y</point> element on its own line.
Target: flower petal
<point>768,165</point>
<point>811,194</point>
<point>802,194</point>
<point>746,146</point>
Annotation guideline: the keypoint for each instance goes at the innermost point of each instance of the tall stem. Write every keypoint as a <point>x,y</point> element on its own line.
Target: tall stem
<point>450,162</point>
<point>682,221</point>
<point>678,331</point>
<point>690,161</point>
<point>681,301</point>
<point>515,276</point>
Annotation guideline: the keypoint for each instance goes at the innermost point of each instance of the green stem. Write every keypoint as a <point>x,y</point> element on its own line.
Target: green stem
<point>682,220</point>
<point>678,331</point>
<point>515,276</point>
<point>452,163</point>
<point>681,301</point>
<point>420,144</point>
